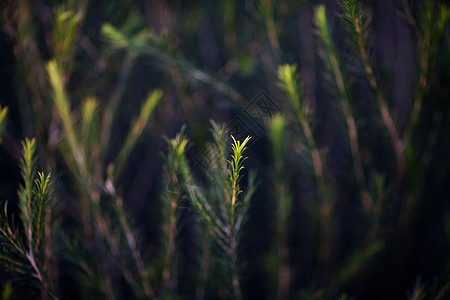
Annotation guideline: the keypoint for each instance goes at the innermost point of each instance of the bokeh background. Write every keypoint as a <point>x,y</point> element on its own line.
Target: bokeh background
<point>240,44</point>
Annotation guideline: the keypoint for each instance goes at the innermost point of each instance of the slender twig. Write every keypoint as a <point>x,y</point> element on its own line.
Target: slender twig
<point>114,101</point>
<point>27,247</point>
<point>409,15</point>
<point>204,267</point>
<point>334,67</point>
<point>358,27</point>
<point>421,89</point>
<point>131,242</point>
<point>234,267</point>
<point>12,240</point>
<point>224,232</point>
<point>433,28</point>
<point>291,84</point>
<point>31,258</point>
<point>151,48</point>
<point>283,202</point>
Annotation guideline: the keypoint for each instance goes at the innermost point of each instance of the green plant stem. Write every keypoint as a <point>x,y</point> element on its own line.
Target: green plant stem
<point>37,274</point>
<point>170,248</point>
<point>283,203</point>
<point>377,212</point>
<point>331,59</point>
<point>433,28</point>
<point>132,245</point>
<point>224,232</point>
<point>33,203</point>
<point>113,104</point>
<point>90,209</point>
<point>352,11</point>
<point>3,120</point>
<point>421,90</point>
<point>290,83</point>
<point>349,119</point>
<point>9,235</point>
<point>167,273</point>
<point>315,154</point>
<point>136,130</point>
<point>169,227</point>
<point>235,177</point>
<point>204,267</point>
<point>268,7</point>
<point>62,104</point>
<point>409,15</point>
<point>151,48</point>
<point>234,267</point>
<point>428,44</point>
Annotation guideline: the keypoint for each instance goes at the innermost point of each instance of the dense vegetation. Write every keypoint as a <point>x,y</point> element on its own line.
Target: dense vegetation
<point>225,150</point>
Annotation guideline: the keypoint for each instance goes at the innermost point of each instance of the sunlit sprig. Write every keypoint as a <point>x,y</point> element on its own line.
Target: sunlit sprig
<point>22,250</point>
<point>223,210</point>
<point>236,164</point>
<point>290,83</point>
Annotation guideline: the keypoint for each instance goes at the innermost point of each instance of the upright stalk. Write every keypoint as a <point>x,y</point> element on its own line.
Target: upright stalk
<point>283,205</point>
<point>357,25</point>
<point>234,267</point>
<point>333,65</point>
<point>291,85</point>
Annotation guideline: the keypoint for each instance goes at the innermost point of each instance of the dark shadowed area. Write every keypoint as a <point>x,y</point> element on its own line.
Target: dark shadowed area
<point>348,107</point>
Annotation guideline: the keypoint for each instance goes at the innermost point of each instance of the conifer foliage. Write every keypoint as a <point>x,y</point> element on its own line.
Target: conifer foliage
<point>23,247</point>
<point>351,183</point>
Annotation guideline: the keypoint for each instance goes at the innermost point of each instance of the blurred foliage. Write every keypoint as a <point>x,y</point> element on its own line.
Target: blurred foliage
<point>346,105</point>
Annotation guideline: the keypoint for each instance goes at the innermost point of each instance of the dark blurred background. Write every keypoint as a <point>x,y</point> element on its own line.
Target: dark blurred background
<point>235,42</point>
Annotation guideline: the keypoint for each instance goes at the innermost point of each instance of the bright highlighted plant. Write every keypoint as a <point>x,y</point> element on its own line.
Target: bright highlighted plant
<point>22,250</point>
<point>222,204</point>
<point>351,149</point>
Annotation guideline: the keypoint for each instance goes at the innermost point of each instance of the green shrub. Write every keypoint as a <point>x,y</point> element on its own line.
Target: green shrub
<point>79,89</point>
